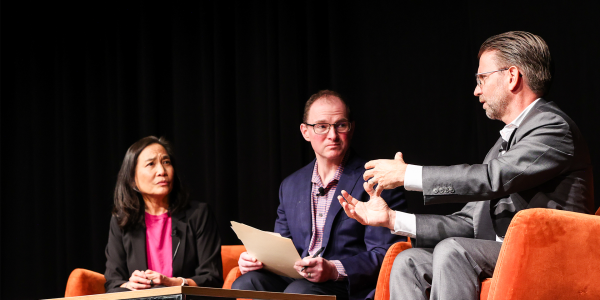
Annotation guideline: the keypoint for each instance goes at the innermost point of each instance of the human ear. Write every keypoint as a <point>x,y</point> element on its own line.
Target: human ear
<point>304,131</point>
<point>515,78</point>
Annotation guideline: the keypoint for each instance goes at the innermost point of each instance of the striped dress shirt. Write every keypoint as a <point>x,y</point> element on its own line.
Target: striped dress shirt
<point>319,207</point>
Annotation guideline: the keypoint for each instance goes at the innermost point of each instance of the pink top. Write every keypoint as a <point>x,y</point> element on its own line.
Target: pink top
<point>159,247</point>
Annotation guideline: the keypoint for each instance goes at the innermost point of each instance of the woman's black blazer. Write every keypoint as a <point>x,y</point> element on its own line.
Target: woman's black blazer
<point>198,256</point>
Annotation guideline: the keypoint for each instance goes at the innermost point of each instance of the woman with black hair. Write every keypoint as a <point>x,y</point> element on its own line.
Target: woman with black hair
<point>157,237</point>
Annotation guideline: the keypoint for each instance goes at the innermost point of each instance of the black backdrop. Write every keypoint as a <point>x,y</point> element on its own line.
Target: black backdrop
<point>226,81</point>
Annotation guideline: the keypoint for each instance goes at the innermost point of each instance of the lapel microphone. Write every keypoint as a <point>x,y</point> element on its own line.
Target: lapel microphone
<point>321,191</point>
<point>174,234</point>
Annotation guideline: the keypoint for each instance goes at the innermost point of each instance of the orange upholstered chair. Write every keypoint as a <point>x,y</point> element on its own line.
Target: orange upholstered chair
<point>231,271</point>
<point>382,291</point>
<point>547,254</point>
<point>85,282</point>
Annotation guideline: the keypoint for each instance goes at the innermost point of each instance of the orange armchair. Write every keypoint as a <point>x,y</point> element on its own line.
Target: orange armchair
<point>231,271</point>
<point>85,282</point>
<point>547,254</point>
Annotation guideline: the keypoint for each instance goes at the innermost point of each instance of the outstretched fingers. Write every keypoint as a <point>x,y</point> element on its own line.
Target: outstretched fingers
<point>348,204</point>
<point>349,197</point>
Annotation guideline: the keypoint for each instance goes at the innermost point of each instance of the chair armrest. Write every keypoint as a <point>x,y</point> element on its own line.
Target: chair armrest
<point>231,277</point>
<point>549,254</point>
<point>382,291</point>
<point>84,282</point>
<point>230,255</point>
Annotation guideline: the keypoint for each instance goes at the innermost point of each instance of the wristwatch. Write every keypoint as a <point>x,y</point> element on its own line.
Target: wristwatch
<point>183,281</point>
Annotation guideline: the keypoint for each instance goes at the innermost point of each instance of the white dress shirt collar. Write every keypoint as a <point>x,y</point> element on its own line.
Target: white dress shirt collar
<point>510,127</point>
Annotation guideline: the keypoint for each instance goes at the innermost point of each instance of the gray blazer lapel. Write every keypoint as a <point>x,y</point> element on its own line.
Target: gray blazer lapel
<point>482,222</point>
<point>493,153</point>
<point>499,210</point>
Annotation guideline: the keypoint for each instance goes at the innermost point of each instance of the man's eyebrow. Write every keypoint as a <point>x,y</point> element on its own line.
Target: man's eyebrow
<point>151,158</point>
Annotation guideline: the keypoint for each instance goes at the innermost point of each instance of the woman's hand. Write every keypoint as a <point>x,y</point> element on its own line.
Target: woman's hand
<point>160,279</point>
<point>137,281</point>
<point>141,280</point>
<point>248,263</point>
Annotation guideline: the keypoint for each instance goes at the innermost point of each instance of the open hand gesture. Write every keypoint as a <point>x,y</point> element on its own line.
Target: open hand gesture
<point>375,212</point>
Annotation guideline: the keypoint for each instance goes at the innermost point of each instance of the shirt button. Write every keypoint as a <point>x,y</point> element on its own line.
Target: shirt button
<point>321,215</point>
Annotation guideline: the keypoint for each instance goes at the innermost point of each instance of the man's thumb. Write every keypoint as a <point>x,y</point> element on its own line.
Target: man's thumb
<point>398,156</point>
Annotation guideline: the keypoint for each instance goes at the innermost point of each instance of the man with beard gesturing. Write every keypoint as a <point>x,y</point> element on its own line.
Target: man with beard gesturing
<point>540,160</point>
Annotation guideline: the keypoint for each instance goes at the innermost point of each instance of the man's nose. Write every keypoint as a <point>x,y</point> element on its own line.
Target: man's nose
<point>332,134</point>
<point>477,91</point>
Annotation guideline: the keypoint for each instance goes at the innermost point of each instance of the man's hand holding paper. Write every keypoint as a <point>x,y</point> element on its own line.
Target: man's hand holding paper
<point>248,263</point>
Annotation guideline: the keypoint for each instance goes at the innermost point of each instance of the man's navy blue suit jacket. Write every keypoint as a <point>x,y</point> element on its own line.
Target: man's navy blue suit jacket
<point>359,248</point>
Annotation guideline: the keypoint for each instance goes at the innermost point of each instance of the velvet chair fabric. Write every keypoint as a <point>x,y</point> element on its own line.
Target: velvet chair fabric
<point>84,282</point>
<point>231,271</point>
<point>547,254</point>
<point>382,291</point>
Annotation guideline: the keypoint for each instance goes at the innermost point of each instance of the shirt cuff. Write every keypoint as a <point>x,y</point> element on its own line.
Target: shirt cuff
<point>340,268</point>
<point>406,225</point>
<point>413,178</point>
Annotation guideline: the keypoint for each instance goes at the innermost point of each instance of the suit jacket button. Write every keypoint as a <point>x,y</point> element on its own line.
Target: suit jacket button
<point>435,190</point>
<point>451,190</point>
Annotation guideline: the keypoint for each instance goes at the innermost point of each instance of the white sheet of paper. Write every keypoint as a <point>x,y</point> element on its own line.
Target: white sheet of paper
<point>277,253</point>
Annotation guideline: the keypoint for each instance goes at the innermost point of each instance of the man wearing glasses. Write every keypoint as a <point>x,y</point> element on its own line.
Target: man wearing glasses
<point>349,263</point>
<point>540,160</point>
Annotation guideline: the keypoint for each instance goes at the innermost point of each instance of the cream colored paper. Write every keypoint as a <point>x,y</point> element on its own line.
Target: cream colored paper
<point>277,253</point>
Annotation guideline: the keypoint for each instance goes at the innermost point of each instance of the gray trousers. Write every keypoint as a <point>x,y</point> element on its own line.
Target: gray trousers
<point>452,270</point>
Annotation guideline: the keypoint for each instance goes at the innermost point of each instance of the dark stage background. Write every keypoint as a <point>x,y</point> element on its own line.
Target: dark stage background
<point>226,82</point>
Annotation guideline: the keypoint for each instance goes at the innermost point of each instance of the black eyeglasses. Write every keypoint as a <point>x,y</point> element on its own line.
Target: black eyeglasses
<point>323,128</point>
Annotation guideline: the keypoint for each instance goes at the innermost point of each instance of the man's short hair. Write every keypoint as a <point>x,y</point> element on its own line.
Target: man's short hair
<point>323,94</point>
<point>525,50</point>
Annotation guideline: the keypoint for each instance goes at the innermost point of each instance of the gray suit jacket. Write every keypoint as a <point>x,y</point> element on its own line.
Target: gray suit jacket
<point>547,165</point>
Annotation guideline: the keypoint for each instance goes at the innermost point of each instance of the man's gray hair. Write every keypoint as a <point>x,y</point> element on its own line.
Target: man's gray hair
<point>526,51</point>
